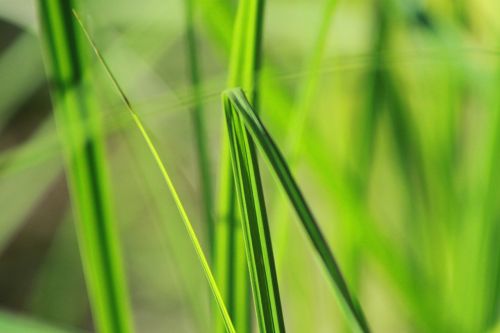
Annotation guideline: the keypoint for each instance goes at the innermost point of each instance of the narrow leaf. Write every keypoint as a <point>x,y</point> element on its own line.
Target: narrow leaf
<point>259,133</point>
<point>255,225</point>
<point>168,181</point>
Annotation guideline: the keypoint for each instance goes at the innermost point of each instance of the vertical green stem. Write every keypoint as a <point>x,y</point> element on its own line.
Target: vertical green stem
<point>230,261</point>
<point>298,120</point>
<point>198,124</point>
<point>81,136</point>
<point>255,224</point>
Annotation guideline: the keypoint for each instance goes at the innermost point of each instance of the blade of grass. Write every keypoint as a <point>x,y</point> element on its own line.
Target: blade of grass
<point>218,22</point>
<point>182,211</point>
<point>81,135</point>
<point>230,250</point>
<point>255,225</point>
<point>198,124</point>
<point>265,142</point>
<point>299,117</point>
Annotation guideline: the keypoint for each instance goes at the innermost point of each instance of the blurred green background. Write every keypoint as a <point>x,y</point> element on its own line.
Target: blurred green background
<point>393,135</point>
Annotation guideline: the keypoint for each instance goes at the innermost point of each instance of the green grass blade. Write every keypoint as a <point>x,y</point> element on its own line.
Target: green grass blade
<point>310,83</point>
<point>182,211</point>
<point>187,223</point>
<point>199,124</point>
<point>255,225</point>
<point>230,255</point>
<point>300,115</point>
<point>265,142</point>
<point>81,135</point>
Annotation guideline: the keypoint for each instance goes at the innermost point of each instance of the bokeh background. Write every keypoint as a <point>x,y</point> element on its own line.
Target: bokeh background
<point>397,149</point>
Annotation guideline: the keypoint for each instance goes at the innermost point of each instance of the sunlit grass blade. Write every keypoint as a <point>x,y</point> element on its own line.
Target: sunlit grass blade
<point>255,225</point>
<point>182,211</point>
<point>253,124</point>
<point>83,145</point>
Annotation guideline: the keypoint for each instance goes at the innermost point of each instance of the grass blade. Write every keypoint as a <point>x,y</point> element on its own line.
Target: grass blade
<point>230,249</point>
<point>299,117</point>
<point>255,127</point>
<point>255,225</point>
<point>81,135</point>
<point>168,181</point>
<point>198,124</point>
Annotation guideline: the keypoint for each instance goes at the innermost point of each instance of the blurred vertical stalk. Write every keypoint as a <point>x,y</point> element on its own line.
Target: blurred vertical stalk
<point>299,118</point>
<point>230,260</point>
<point>199,124</point>
<point>83,144</point>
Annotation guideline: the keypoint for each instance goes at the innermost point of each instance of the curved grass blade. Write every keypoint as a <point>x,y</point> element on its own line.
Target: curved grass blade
<point>81,135</point>
<point>255,225</point>
<point>244,111</point>
<point>182,211</point>
<point>230,257</point>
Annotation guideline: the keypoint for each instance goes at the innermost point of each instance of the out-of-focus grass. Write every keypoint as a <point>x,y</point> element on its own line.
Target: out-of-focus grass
<point>397,153</point>
<point>80,132</point>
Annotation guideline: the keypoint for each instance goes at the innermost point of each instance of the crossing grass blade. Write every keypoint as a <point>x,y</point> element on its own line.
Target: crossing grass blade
<point>81,136</point>
<point>161,165</point>
<point>255,225</point>
<point>230,260</point>
<point>244,111</point>
<point>299,117</point>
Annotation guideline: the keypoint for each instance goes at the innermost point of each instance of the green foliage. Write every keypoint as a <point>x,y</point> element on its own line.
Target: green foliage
<point>168,182</point>
<point>238,108</point>
<point>79,127</point>
<point>230,248</point>
<point>257,238</point>
<point>386,113</point>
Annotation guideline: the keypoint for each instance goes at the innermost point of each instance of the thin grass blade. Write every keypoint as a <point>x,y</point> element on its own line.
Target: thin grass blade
<point>178,202</point>
<point>255,225</point>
